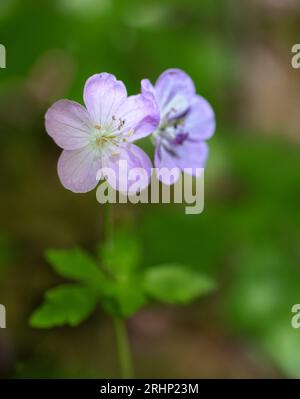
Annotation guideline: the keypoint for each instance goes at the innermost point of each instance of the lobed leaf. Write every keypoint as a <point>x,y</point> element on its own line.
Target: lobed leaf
<point>176,284</point>
<point>75,264</point>
<point>65,304</point>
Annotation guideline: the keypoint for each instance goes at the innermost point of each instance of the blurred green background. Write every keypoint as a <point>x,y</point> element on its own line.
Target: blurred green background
<point>239,54</point>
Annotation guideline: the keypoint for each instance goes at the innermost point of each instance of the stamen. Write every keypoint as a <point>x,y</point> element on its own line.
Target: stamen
<point>109,138</point>
<point>130,132</point>
<point>100,140</point>
<point>121,123</point>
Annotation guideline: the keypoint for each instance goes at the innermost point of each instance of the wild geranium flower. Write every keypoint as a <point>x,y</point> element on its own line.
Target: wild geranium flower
<point>186,121</point>
<point>101,135</point>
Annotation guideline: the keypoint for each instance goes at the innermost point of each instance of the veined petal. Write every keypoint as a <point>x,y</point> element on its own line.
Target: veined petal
<point>68,123</point>
<point>78,169</point>
<point>176,107</point>
<point>189,157</point>
<point>171,83</point>
<point>103,94</point>
<point>147,88</point>
<point>167,171</point>
<point>192,155</point>
<point>132,169</point>
<point>140,115</point>
<point>200,122</point>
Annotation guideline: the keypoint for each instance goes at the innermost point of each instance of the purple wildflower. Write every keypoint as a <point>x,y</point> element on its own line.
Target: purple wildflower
<point>101,135</point>
<point>186,121</point>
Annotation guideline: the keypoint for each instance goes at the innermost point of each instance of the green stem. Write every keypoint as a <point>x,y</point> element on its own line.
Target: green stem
<point>123,348</point>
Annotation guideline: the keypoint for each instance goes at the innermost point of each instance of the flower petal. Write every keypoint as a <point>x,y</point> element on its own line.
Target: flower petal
<point>103,94</point>
<point>171,83</point>
<point>68,123</point>
<point>176,107</point>
<point>78,169</point>
<point>132,169</point>
<point>192,156</point>
<point>167,171</point>
<point>200,122</point>
<point>147,88</point>
<point>140,113</point>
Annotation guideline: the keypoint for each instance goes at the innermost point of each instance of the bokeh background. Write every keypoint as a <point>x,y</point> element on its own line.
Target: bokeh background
<point>239,55</point>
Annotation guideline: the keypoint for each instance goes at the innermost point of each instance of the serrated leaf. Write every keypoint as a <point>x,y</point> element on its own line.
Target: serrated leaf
<point>75,264</point>
<point>66,304</point>
<point>122,255</point>
<point>176,284</point>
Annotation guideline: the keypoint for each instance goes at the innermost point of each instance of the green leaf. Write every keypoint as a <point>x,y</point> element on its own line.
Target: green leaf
<point>75,264</point>
<point>123,255</point>
<point>66,304</point>
<point>126,298</point>
<point>264,284</point>
<point>172,283</point>
<point>282,343</point>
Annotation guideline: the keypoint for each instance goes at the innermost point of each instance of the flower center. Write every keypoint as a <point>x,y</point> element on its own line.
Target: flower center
<point>108,139</point>
<point>171,134</point>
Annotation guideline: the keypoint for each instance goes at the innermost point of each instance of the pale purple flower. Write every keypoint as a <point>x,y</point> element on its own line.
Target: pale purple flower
<point>100,135</point>
<point>186,121</point>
